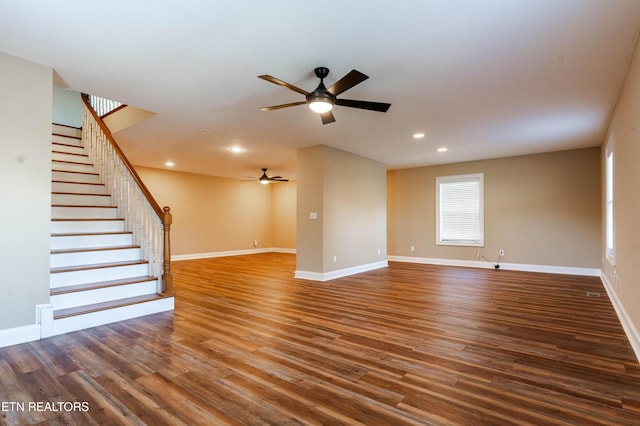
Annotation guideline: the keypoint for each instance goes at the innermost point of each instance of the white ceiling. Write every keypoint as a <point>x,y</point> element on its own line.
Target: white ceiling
<point>485,79</point>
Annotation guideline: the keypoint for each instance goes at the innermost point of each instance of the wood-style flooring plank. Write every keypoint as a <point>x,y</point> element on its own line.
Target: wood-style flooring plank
<point>410,344</point>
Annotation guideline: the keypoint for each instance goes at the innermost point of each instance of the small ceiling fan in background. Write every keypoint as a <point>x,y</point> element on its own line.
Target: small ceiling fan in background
<point>322,100</point>
<point>265,179</point>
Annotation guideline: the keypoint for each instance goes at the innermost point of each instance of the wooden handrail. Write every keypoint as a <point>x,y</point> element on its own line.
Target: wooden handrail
<point>164,214</point>
<point>116,147</point>
<point>113,111</point>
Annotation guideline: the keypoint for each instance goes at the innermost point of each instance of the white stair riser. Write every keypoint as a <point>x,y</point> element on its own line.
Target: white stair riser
<point>75,177</point>
<point>94,319</point>
<point>64,130</point>
<point>63,279</point>
<point>86,226</point>
<point>73,158</point>
<point>72,167</point>
<point>71,149</point>
<point>88,297</point>
<point>64,140</point>
<point>76,212</point>
<point>90,241</point>
<point>80,200</point>
<point>94,256</point>
<point>79,188</point>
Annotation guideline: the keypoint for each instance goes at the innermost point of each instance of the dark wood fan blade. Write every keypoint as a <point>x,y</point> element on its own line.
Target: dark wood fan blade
<point>279,180</point>
<point>327,117</point>
<point>373,106</point>
<point>347,82</point>
<point>283,84</point>
<point>274,107</point>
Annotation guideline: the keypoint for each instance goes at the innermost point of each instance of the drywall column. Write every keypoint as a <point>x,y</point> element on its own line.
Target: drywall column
<point>25,194</point>
<point>341,214</point>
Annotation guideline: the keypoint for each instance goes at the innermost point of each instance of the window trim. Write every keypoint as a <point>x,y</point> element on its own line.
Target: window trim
<point>479,177</point>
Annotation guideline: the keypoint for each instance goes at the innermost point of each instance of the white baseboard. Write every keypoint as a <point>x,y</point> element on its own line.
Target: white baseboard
<point>565,270</point>
<point>627,324</point>
<point>231,253</point>
<point>17,335</point>
<point>326,276</point>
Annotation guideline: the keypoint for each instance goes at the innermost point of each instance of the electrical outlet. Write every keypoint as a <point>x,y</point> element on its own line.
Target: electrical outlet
<point>255,243</point>
<point>335,259</point>
<point>413,249</point>
<point>501,252</point>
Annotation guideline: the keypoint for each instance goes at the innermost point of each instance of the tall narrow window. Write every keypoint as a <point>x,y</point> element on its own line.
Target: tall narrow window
<point>459,210</point>
<point>609,203</point>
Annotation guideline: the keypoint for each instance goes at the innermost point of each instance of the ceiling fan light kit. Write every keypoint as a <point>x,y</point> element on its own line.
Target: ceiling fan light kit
<point>322,100</point>
<point>265,178</point>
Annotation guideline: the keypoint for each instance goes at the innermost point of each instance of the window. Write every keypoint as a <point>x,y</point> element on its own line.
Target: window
<point>609,209</point>
<point>459,210</point>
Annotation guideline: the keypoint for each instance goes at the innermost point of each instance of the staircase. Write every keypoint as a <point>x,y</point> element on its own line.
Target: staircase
<point>97,274</point>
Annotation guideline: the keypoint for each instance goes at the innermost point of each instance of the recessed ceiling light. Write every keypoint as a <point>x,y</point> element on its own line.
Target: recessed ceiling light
<point>236,149</point>
<point>418,135</point>
<point>442,149</point>
<point>169,164</point>
<point>204,131</point>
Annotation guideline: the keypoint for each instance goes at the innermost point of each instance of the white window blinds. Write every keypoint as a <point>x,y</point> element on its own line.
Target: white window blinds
<point>459,213</point>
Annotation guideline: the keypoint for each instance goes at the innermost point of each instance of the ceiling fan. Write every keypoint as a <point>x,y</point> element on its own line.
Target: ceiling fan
<point>322,100</point>
<point>265,179</point>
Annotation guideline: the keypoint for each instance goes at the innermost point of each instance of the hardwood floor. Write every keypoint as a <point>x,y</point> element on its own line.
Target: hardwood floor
<point>409,344</point>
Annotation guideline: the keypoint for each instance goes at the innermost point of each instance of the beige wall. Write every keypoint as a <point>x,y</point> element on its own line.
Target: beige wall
<point>67,107</point>
<point>213,214</point>
<point>283,211</point>
<point>625,128</point>
<point>348,194</point>
<point>541,209</point>
<point>25,189</point>
<point>310,187</point>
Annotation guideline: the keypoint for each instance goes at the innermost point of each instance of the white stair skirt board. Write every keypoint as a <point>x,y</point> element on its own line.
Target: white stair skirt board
<point>627,324</point>
<point>331,275</point>
<point>549,269</point>
<point>89,257</point>
<point>94,319</point>
<point>106,294</point>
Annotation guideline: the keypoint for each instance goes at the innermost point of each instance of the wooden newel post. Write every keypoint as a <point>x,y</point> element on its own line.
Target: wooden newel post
<point>167,279</point>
